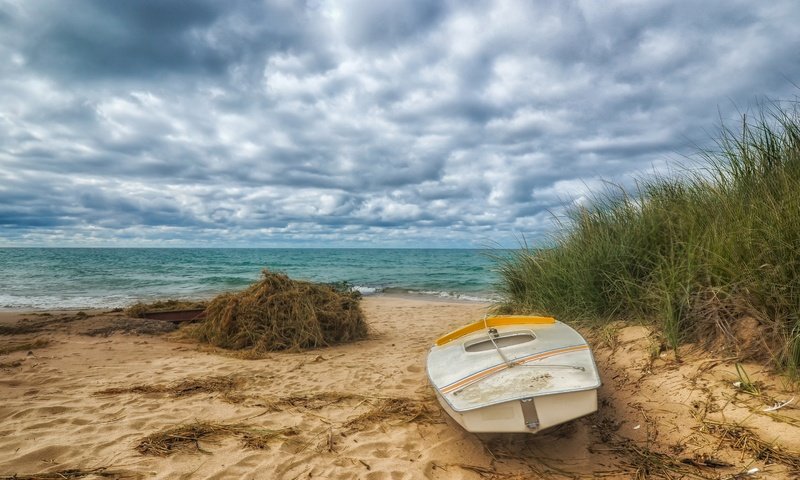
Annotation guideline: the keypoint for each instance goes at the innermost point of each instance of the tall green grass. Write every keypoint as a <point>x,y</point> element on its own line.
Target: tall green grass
<point>695,253</point>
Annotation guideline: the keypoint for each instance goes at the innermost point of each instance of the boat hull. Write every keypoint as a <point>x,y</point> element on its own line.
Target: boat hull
<point>525,416</point>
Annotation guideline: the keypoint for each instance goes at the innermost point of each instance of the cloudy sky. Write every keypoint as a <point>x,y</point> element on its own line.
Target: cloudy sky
<point>358,122</point>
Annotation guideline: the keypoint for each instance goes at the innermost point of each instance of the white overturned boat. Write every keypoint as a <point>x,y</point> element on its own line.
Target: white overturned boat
<point>514,373</point>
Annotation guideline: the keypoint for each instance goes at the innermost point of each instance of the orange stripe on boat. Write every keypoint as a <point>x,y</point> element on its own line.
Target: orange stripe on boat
<point>495,321</point>
<point>467,381</point>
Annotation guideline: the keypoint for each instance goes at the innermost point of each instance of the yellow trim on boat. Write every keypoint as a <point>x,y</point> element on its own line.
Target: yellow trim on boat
<point>495,321</point>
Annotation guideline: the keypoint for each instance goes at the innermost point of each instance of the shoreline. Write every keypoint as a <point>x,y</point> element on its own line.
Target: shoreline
<point>422,297</point>
<point>362,410</point>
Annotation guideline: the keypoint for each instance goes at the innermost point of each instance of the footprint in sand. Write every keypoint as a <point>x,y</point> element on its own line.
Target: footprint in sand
<point>378,476</point>
<point>411,447</point>
<point>393,475</point>
<point>379,449</point>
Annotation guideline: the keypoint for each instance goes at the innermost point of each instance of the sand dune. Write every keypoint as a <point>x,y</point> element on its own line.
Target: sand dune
<point>363,410</point>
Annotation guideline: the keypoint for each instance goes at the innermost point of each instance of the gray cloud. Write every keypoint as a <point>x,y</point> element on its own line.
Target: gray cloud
<point>381,25</point>
<point>396,123</point>
<point>151,38</point>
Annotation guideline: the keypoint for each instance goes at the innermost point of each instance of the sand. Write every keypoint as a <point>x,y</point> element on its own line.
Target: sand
<point>88,406</point>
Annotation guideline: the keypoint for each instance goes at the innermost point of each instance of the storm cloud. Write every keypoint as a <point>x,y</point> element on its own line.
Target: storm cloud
<point>359,123</point>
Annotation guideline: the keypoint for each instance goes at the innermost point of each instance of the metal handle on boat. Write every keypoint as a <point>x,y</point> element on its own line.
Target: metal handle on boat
<point>492,334</point>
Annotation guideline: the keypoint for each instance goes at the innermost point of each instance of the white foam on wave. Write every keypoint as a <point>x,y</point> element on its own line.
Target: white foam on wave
<point>367,290</point>
<point>473,298</point>
<point>457,296</point>
<point>12,302</point>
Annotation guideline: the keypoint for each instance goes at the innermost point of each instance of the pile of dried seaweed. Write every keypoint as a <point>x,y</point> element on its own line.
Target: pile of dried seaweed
<point>278,313</point>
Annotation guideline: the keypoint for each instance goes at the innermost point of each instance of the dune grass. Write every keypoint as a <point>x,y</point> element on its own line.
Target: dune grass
<point>694,253</point>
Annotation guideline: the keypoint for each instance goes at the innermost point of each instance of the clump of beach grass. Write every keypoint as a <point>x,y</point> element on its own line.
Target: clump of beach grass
<point>139,309</point>
<point>47,321</point>
<point>398,410</point>
<point>381,410</point>
<point>224,384</point>
<point>187,437</point>
<point>10,365</point>
<point>695,253</point>
<point>22,346</point>
<point>745,440</point>
<point>73,473</point>
<point>311,401</point>
<point>278,313</point>
<point>22,328</point>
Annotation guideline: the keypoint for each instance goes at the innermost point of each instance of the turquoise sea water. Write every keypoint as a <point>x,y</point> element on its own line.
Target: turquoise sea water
<point>117,277</point>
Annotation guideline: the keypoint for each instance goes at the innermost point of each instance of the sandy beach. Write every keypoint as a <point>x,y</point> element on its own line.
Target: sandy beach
<point>95,395</point>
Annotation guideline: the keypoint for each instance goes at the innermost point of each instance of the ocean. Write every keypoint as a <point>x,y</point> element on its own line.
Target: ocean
<point>70,278</point>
